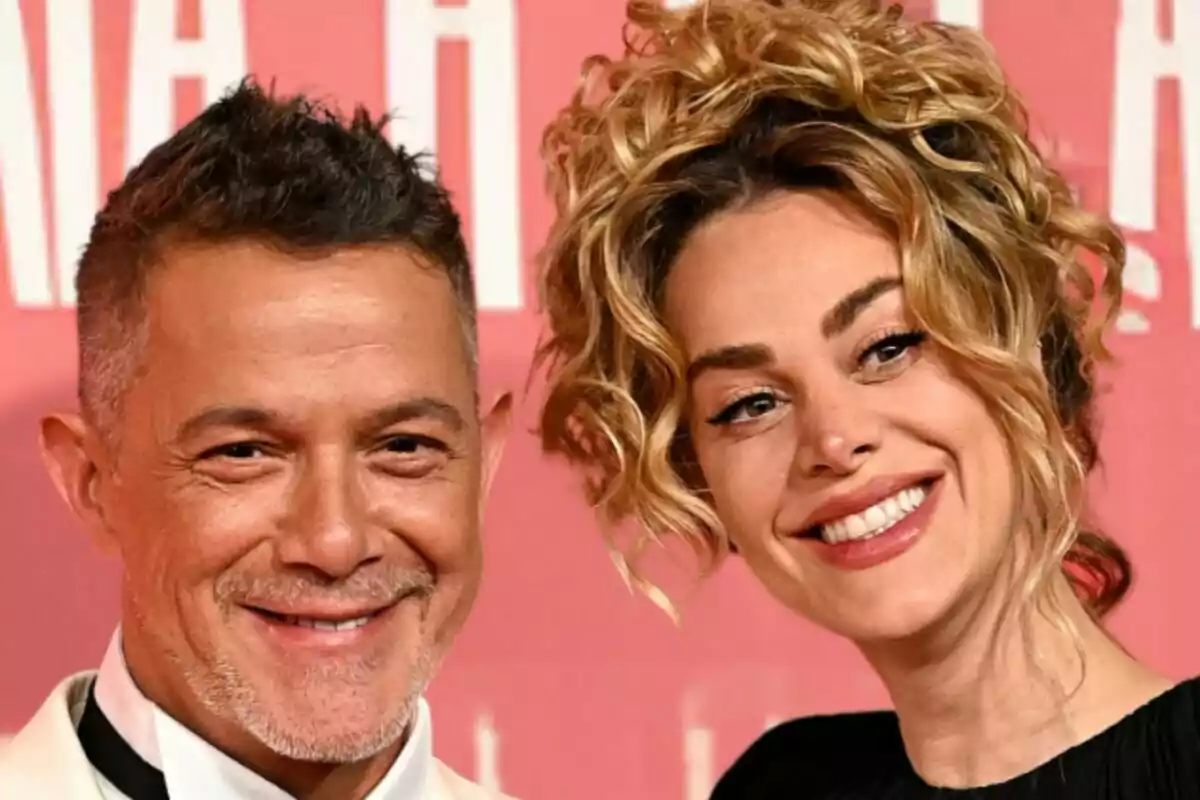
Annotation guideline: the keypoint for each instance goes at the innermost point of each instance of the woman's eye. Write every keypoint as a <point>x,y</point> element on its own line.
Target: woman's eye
<point>745,409</point>
<point>883,354</point>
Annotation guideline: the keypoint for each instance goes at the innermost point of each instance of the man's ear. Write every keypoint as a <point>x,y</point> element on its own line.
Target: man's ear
<point>494,428</point>
<point>70,449</point>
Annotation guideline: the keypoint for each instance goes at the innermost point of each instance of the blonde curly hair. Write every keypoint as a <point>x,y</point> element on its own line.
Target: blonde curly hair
<point>715,106</point>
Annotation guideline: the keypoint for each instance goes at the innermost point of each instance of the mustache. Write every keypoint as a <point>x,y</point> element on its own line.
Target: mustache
<point>375,585</point>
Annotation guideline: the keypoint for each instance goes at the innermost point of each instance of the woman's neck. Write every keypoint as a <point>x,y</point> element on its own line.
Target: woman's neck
<point>981,701</point>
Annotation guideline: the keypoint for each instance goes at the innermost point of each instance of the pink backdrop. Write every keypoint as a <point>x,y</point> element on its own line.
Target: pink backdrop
<point>564,685</point>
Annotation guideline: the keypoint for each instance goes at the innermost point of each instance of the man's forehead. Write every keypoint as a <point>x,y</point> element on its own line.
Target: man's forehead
<point>263,328</point>
<point>248,273</point>
<point>231,293</point>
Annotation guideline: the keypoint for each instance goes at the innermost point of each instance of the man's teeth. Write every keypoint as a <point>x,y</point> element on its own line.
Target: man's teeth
<point>328,625</point>
<point>876,519</point>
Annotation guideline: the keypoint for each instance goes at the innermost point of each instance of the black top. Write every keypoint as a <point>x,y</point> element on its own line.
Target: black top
<point>1152,754</point>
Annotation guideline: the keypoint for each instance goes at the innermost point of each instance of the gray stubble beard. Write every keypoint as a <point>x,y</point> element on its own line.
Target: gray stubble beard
<point>224,691</point>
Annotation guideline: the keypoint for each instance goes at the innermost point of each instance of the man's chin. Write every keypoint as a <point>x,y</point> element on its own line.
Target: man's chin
<point>327,722</point>
<point>328,741</point>
<point>332,713</point>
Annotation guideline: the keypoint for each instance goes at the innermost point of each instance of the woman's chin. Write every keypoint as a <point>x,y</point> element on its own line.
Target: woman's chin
<point>888,617</point>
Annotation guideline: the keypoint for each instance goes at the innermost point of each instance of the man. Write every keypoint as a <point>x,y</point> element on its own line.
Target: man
<point>280,437</point>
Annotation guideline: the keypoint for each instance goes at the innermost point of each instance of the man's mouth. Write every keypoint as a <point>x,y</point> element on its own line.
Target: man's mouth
<point>330,620</point>
<point>348,624</point>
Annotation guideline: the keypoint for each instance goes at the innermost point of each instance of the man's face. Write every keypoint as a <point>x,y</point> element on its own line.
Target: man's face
<point>295,493</point>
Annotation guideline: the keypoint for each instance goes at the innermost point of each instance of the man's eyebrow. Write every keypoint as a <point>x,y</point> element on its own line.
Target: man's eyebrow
<point>416,408</point>
<point>227,416</point>
<point>255,417</point>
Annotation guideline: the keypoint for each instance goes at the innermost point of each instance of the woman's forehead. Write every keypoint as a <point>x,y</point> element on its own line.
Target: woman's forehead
<point>793,258</point>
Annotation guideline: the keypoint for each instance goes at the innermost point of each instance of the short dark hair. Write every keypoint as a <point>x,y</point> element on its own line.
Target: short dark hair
<point>287,171</point>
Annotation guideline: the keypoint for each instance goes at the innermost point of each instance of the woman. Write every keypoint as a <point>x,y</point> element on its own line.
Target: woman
<point>816,299</point>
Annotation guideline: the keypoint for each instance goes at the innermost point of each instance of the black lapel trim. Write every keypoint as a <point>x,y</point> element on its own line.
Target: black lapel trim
<point>114,758</point>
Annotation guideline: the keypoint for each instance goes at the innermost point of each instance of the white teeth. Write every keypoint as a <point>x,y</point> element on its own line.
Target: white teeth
<point>328,625</point>
<point>876,519</point>
<point>875,516</point>
<point>853,526</point>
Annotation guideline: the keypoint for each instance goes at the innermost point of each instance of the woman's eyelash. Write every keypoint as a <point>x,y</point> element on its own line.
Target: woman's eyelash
<point>727,414</point>
<point>901,342</point>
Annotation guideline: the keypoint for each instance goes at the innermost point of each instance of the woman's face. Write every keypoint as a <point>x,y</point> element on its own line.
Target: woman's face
<point>865,486</point>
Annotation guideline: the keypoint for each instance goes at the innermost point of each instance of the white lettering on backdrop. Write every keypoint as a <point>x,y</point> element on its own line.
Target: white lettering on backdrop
<point>487,753</point>
<point>1143,60</point>
<point>414,28</point>
<point>158,58</point>
<point>72,96</point>
<point>21,169</point>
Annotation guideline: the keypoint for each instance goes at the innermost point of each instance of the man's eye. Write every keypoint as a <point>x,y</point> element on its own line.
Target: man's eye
<point>411,445</point>
<point>238,451</point>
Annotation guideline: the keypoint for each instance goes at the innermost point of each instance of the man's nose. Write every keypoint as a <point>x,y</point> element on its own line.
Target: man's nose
<point>328,526</point>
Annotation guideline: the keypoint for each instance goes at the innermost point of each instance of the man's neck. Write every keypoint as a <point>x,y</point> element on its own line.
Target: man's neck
<point>992,696</point>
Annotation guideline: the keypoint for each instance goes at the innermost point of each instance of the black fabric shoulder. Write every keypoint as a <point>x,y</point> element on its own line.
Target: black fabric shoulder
<point>1151,754</point>
<point>826,755</point>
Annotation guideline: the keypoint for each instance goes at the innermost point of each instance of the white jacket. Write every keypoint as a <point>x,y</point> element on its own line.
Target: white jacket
<point>45,760</point>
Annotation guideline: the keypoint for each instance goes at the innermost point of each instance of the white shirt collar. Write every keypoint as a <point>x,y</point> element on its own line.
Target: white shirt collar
<point>195,770</point>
